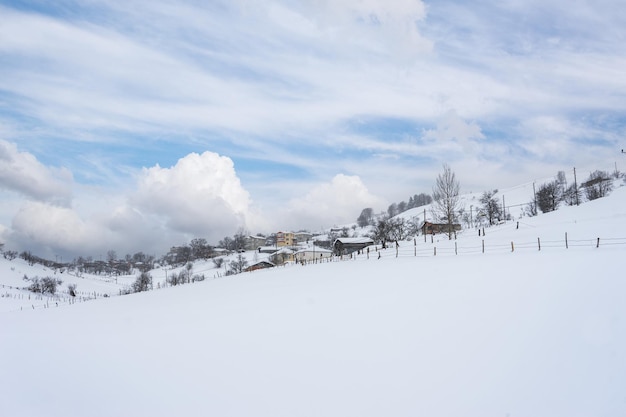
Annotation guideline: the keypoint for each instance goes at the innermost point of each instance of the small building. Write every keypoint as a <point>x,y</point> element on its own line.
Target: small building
<point>266,249</point>
<point>253,242</point>
<point>259,265</point>
<point>301,237</point>
<point>429,228</point>
<point>282,256</point>
<point>311,254</point>
<point>347,245</point>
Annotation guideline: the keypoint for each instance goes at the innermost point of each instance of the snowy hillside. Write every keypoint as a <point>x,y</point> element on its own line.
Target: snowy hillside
<point>436,328</point>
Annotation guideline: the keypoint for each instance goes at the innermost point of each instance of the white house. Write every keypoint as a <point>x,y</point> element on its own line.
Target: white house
<point>313,253</point>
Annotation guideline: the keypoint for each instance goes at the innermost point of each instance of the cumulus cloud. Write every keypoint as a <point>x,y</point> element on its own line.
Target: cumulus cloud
<point>39,226</point>
<point>200,195</point>
<point>23,173</point>
<point>335,203</point>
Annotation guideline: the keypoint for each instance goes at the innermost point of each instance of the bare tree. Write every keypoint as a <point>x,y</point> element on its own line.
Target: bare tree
<point>111,256</point>
<point>530,209</point>
<point>399,229</point>
<point>238,265</point>
<point>598,185</point>
<point>490,206</point>
<point>382,230</point>
<point>549,196</point>
<point>571,195</point>
<point>239,239</point>
<point>218,262</point>
<point>199,248</point>
<point>143,282</point>
<point>446,198</point>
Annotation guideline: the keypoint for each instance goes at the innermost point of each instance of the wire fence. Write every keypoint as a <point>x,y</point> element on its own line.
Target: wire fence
<point>484,246</point>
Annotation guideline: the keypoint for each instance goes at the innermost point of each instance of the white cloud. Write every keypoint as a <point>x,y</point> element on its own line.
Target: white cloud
<point>335,203</point>
<point>39,226</point>
<point>23,173</point>
<point>451,127</point>
<point>453,135</point>
<point>201,195</point>
<point>252,79</point>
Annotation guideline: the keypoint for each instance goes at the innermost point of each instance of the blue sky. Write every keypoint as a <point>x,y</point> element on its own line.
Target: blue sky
<point>139,125</point>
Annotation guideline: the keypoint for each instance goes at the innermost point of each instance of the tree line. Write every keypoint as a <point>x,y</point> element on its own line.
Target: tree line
<point>446,208</point>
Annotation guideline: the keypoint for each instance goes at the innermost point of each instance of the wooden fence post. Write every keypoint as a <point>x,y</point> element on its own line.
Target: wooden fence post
<point>435,250</point>
<point>598,244</point>
<point>512,247</point>
<point>483,245</point>
<point>566,245</point>
<point>455,248</point>
<point>539,243</point>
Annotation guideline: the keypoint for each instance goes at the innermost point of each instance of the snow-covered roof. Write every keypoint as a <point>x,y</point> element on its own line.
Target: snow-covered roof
<point>355,240</point>
<point>285,250</point>
<point>316,250</point>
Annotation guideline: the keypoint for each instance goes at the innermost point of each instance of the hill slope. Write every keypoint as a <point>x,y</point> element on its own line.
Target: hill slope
<point>524,333</point>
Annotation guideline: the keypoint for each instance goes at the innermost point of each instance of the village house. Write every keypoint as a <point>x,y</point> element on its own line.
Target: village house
<point>429,228</point>
<point>311,254</point>
<point>285,239</point>
<point>347,245</point>
<point>283,255</point>
<point>254,242</point>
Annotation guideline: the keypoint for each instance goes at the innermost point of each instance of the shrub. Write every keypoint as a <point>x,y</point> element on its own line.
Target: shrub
<point>143,282</point>
<point>44,285</point>
<point>71,289</point>
<point>174,279</point>
<point>218,262</point>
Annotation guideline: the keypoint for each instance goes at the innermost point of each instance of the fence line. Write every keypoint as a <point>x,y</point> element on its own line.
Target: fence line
<point>455,248</point>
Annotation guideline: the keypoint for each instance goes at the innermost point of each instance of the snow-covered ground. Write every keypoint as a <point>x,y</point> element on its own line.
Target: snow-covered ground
<point>527,332</point>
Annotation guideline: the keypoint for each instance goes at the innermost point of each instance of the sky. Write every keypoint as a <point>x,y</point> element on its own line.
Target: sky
<point>139,125</point>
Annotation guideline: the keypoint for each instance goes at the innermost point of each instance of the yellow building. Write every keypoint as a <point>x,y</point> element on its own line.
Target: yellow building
<point>285,239</point>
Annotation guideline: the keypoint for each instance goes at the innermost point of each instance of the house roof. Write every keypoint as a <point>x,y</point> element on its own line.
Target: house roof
<point>354,240</point>
<point>316,250</point>
<point>285,250</point>
<point>259,265</point>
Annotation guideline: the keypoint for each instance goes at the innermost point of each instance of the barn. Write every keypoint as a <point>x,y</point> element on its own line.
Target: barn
<point>347,245</point>
<point>429,228</point>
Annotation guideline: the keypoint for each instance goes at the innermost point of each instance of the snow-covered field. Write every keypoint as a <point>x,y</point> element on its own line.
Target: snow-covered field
<point>524,333</point>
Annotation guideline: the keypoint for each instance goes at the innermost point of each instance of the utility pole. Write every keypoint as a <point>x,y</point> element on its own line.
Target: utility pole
<point>576,187</point>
